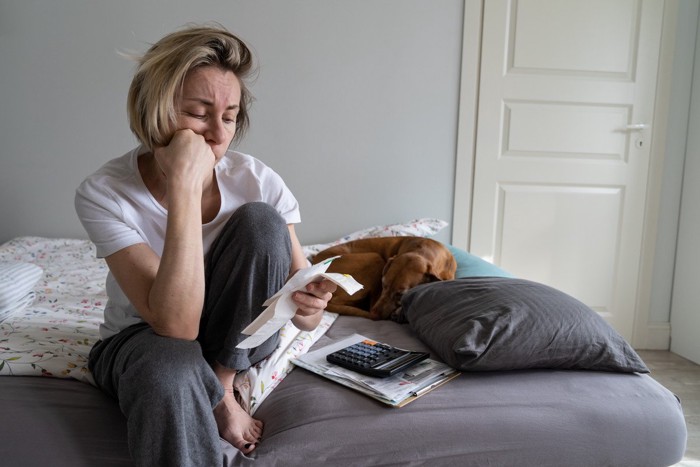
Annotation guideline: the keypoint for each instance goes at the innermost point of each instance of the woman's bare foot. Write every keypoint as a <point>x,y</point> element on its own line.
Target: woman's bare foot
<point>234,423</point>
<point>236,426</point>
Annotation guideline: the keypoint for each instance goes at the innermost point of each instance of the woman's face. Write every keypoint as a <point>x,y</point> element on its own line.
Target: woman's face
<point>209,106</point>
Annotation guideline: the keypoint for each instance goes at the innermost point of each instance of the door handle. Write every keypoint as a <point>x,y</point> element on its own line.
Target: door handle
<point>636,127</point>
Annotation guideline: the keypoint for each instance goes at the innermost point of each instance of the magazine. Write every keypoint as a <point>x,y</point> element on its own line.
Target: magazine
<point>396,391</point>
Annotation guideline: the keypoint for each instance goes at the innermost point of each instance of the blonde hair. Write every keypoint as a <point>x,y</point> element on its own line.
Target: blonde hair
<point>161,72</point>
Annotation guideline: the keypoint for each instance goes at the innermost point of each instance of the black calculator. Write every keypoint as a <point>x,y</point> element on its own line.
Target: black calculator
<point>375,359</point>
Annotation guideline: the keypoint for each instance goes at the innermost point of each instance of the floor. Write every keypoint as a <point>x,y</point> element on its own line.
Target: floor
<point>682,377</point>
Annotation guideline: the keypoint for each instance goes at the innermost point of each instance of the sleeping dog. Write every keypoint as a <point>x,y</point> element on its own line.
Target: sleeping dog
<point>387,267</point>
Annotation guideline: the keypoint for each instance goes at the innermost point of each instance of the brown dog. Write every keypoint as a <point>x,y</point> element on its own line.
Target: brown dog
<point>387,267</point>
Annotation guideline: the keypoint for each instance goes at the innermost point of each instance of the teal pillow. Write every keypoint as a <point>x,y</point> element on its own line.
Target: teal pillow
<point>469,265</point>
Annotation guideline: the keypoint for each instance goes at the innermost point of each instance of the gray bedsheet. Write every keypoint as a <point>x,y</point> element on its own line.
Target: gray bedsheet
<point>519,418</point>
<point>57,422</point>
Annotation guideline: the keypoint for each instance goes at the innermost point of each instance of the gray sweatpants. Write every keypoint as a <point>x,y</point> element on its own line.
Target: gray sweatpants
<point>166,387</point>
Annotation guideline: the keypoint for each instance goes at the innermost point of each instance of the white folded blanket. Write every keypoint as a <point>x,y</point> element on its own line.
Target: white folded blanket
<point>17,281</point>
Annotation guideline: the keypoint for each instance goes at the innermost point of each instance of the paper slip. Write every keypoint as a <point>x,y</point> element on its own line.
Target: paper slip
<point>281,308</point>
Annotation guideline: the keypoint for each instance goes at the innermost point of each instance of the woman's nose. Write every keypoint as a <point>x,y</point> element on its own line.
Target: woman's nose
<point>216,132</point>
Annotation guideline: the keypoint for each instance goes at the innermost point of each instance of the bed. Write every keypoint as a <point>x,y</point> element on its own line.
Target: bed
<point>575,404</point>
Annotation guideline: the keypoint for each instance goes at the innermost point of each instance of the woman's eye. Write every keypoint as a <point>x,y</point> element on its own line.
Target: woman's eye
<point>195,115</point>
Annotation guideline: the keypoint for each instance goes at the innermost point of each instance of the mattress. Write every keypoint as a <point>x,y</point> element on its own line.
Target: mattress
<point>523,418</point>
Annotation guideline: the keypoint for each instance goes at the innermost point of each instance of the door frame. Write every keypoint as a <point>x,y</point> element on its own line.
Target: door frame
<point>646,334</point>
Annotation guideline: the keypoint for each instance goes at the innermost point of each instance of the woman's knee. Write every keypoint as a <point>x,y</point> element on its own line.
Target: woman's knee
<point>259,220</point>
<point>258,211</point>
<point>256,228</point>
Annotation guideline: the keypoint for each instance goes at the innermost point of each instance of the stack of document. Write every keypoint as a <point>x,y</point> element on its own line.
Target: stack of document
<point>397,390</point>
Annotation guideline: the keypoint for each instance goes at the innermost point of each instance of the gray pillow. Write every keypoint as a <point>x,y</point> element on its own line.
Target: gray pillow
<point>500,323</point>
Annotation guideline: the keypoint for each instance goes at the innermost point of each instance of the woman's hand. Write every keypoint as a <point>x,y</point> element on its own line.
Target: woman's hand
<point>186,159</point>
<point>312,303</point>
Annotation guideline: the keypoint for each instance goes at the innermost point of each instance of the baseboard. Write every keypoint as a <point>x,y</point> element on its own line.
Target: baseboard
<point>656,336</point>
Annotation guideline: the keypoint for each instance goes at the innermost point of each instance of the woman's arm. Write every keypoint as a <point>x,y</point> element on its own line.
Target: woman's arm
<point>312,303</point>
<point>168,292</point>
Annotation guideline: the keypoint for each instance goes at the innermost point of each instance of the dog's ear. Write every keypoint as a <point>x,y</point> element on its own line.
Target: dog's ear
<point>444,273</point>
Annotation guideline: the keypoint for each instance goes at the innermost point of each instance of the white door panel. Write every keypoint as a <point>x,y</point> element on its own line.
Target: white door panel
<point>556,129</point>
<point>602,32</point>
<point>550,228</point>
<point>561,159</point>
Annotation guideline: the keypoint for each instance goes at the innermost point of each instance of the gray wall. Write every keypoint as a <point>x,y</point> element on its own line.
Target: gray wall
<point>356,103</point>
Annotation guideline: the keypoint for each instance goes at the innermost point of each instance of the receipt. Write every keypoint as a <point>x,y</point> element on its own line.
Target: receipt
<point>281,308</point>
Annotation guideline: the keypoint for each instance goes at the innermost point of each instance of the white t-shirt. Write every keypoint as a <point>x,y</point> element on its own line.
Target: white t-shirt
<point>117,211</point>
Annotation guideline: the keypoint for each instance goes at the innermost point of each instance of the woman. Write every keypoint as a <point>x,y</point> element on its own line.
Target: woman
<point>196,237</point>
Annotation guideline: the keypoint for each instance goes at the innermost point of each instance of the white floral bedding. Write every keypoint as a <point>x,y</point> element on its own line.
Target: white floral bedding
<point>53,335</point>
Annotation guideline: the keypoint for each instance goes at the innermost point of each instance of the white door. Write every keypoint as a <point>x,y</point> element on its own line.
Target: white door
<point>566,97</point>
